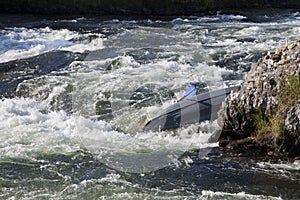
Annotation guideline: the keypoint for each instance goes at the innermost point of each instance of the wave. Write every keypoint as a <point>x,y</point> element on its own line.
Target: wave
<point>17,43</point>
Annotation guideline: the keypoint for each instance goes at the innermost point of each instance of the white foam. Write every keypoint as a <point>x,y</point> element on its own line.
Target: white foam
<point>17,43</point>
<point>28,128</point>
<point>250,31</point>
<point>209,19</point>
<point>142,152</point>
<point>239,195</point>
<point>95,44</point>
<point>231,17</point>
<point>296,30</point>
<point>281,166</point>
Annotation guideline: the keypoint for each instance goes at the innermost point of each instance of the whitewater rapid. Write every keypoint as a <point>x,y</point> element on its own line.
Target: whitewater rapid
<point>51,126</point>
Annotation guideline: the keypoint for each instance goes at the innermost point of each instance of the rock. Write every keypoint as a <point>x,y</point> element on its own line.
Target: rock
<point>238,62</point>
<point>292,124</point>
<point>149,95</point>
<point>200,86</point>
<point>14,72</point>
<point>104,110</point>
<point>265,95</point>
<point>247,39</point>
<point>292,121</point>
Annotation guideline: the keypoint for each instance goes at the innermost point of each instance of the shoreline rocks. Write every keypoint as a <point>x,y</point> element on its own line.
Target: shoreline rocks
<point>267,106</point>
<point>138,7</point>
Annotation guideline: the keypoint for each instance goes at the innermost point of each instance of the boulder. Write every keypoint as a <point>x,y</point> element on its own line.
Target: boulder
<point>265,106</point>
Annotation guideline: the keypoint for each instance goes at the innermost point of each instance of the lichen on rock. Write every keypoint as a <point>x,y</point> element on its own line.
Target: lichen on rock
<point>263,107</point>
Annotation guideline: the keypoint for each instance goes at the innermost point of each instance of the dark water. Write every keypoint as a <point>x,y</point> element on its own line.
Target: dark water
<point>71,129</point>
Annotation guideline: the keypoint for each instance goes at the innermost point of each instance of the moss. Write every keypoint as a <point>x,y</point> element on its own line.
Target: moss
<point>270,128</point>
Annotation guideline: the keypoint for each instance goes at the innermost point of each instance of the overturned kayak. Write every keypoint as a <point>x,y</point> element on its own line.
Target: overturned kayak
<point>191,110</point>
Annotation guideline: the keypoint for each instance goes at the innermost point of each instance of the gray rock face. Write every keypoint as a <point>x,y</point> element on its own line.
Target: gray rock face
<point>259,93</point>
<point>292,122</point>
<point>291,143</point>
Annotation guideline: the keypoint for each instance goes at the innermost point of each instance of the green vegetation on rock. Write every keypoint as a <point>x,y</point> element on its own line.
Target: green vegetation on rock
<point>267,107</point>
<point>270,127</point>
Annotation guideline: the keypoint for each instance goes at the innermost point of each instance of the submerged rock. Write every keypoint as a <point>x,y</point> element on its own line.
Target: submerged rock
<point>200,86</point>
<point>238,62</point>
<point>265,106</point>
<point>14,72</point>
<point>104,110</point>
<point>150,95</point>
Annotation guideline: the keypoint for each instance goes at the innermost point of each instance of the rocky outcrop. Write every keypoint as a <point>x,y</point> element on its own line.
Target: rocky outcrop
<point>266,108</point>
<point>136,7</point>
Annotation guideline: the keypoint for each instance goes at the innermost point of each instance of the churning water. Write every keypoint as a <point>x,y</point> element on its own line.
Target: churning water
<point>76,93</point>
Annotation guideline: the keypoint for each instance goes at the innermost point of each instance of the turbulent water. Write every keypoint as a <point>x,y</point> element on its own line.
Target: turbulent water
<point>77,91</point>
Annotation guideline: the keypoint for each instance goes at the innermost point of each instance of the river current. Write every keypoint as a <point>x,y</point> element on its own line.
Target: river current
<point>77,91</point>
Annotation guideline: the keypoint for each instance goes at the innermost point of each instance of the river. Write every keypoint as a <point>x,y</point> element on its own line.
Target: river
<point>76,92</point>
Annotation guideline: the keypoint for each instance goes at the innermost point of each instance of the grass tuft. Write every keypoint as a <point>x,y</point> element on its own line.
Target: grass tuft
<point>271,126</point>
